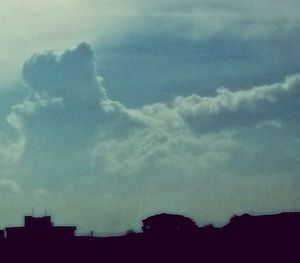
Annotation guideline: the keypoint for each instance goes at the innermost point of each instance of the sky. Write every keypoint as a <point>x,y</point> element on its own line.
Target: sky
<point>112,111</point>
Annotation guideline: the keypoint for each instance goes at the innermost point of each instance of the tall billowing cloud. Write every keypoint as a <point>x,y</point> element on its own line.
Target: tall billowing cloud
<point>204,156</point>
<point>62,114</point>
<point>70,76</point>
<point>59,124</point>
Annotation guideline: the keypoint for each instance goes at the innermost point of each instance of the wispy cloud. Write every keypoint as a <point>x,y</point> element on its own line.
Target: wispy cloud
<point>7,186</point>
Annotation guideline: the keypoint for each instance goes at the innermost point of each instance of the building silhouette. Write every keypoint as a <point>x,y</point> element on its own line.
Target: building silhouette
<point>39,228</point>
<point>164,238</point>
<point>2,236</point>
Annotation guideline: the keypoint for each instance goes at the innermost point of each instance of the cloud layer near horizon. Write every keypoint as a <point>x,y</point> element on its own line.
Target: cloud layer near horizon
<point>75,149</point>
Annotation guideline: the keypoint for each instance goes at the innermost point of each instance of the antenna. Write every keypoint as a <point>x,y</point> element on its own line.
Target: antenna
<point>46,212</point>
<point>32,212</point>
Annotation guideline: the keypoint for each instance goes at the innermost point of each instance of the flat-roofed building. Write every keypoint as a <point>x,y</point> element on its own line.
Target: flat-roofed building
<point>39,228</point>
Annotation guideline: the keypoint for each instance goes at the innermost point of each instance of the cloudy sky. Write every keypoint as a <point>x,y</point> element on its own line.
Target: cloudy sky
<point>112,111</point>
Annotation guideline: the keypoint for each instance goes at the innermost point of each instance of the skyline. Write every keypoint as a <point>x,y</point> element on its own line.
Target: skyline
<point>112,111</point>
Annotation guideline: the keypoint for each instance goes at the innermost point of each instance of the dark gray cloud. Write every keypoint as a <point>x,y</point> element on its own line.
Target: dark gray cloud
<point>157,66</point>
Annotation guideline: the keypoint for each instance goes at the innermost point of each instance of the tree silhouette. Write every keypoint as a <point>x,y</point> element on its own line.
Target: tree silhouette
<point>168,223</point>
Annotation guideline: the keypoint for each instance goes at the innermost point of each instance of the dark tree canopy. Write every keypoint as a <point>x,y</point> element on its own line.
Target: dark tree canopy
<point>163,223</point>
